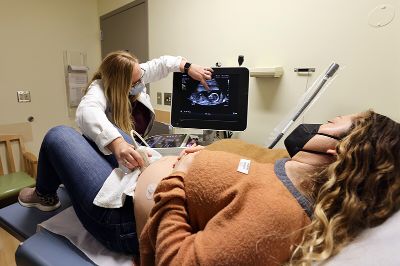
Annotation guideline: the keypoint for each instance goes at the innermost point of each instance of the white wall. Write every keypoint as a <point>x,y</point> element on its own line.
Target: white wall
<point>309,33</point>
<point>34,35</point>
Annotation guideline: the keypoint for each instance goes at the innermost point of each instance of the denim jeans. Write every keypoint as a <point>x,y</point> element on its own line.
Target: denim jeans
<point>69,158</point>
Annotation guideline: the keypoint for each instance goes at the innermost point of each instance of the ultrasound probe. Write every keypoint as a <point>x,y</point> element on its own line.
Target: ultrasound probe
<point>140,149</point>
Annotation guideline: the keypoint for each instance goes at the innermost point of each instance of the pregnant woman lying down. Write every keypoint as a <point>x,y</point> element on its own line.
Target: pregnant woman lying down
<point>213,208</point>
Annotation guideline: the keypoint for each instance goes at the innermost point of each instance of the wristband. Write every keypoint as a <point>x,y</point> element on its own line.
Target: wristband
<point>186,67</point>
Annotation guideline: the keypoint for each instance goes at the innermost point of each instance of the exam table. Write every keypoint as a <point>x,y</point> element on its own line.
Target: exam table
<point>42,247</point>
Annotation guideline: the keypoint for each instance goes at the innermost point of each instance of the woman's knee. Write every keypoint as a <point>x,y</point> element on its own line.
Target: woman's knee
<point>59,134</point>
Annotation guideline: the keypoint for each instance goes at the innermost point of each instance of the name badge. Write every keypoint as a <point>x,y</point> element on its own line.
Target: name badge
<point>244,166</point>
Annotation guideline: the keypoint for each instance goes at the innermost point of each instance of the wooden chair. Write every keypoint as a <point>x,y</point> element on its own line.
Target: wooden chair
<point>12,181</point>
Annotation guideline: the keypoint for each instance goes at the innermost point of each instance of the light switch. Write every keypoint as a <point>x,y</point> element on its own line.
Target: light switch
<point>23,96</point>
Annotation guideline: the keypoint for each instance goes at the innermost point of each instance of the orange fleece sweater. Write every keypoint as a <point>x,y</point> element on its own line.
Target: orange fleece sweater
<point>218,216</point>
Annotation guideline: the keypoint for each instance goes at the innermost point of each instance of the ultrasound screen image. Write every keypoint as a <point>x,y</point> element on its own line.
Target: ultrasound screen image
<point>219,101</point>
<point>223,106</point>
<point>213,96</point>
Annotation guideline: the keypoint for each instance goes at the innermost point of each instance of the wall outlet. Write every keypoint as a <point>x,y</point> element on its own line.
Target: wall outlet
<point>23,96</point>
<point>167,98</point>
<point>159,98</point>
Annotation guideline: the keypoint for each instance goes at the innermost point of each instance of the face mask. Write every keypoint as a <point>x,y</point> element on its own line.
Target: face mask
<point>296,141</point>
<point>138,88</point>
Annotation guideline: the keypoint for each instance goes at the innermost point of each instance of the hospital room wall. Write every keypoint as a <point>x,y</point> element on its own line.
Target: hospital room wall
<point>310,33</point>
<point>34,35</point>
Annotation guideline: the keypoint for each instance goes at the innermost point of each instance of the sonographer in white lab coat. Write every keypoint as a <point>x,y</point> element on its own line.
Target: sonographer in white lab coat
<point>117,98</point>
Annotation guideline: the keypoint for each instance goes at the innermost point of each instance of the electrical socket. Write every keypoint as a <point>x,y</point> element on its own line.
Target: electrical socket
<point>159,98</point>
<point>167,98</point>
<point>23,96</point>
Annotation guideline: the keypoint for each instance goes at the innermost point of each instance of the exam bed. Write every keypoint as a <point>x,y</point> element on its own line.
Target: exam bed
<point>42,247</point>
<point>375,246</point>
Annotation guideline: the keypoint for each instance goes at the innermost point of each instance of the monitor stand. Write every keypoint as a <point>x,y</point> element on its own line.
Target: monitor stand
<point>208,136</point>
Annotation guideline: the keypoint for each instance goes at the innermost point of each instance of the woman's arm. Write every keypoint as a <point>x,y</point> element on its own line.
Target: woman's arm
<point>167,227</point>
<point>92,120</point>
<point>253,224</point>
<point>159,68</point>
<point>169,239</point>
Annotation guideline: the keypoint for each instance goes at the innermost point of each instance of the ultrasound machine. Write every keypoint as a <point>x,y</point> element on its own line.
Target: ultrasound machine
<point>222,107</point>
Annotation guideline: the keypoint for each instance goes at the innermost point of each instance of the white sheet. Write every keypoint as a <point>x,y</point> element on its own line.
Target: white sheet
<point>67,224</point>
<point>374,247</point>
<point>119,184</point>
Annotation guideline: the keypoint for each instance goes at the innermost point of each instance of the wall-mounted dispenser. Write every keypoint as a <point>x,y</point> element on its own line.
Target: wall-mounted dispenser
<point>266,72</point>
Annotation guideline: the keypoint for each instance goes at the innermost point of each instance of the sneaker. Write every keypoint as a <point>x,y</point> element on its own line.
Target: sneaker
<point>28,197</point>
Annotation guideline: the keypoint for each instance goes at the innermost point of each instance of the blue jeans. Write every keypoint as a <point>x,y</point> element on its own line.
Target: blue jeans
<point>69,158</point>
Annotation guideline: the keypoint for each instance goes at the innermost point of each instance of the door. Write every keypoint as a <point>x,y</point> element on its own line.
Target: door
<point>126,29</point>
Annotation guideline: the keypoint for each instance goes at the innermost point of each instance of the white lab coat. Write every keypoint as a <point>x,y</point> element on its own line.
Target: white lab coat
<point>92,115</point>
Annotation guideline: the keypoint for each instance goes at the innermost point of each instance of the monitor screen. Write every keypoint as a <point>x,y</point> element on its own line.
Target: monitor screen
<point>222,107</point>
<point>167,140</point>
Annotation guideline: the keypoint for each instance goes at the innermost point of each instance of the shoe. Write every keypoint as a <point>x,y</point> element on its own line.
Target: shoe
<point>28,197</point>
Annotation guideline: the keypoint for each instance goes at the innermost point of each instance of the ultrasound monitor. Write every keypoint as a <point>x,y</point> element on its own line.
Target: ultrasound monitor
<point>222,107</point>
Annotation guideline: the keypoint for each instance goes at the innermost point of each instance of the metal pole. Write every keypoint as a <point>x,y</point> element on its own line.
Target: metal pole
<point>329,73</point>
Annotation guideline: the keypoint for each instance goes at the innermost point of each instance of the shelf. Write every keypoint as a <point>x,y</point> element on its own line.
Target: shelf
<point>266,72</point>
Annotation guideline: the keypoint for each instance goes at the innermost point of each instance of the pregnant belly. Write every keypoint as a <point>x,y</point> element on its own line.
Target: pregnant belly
<point>147,183</point>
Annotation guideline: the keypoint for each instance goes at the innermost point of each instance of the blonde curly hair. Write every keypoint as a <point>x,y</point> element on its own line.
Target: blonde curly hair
<point>361,189</point>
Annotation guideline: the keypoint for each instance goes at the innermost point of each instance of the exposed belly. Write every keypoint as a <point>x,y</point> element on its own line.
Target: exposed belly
<point>146,185</point>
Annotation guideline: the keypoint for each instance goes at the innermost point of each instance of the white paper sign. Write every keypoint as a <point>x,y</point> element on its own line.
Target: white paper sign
<point>77,81</point>
<point>244,166</point>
